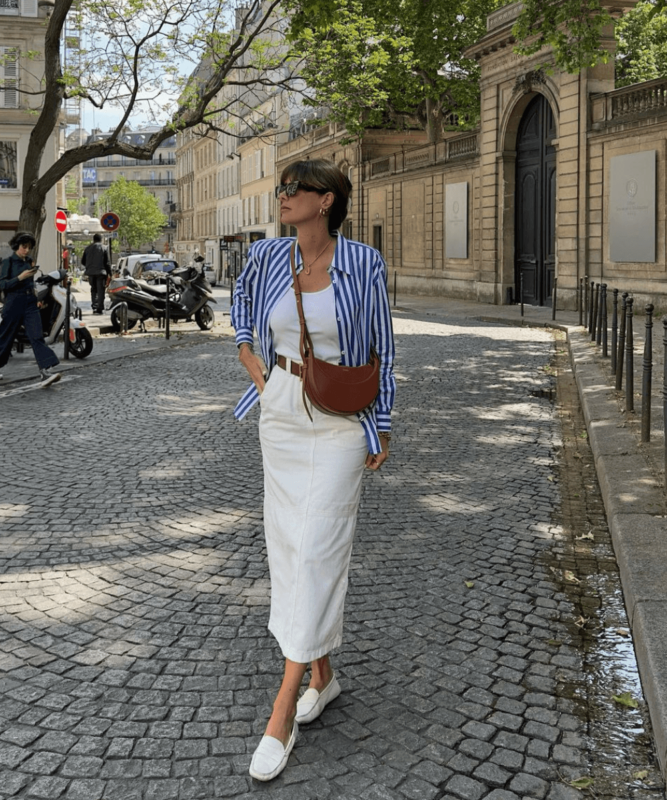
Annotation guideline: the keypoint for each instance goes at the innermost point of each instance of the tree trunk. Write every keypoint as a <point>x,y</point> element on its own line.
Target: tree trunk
<point>433,122</point>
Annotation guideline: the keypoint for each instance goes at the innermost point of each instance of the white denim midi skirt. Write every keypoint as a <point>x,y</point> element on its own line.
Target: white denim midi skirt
<point>312,486</point>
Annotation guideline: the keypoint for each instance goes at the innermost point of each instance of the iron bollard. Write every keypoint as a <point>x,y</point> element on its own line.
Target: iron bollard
<point>629,360</point>
<point>68,308</point>
<point>121,313</point>
<point>596,303</point>
<point>590,310</point>
<point>521,290</point>
<point>603,320</point>
<point>167,311</point>
<point>621,343</point>
<point>586,299</point>
<point>664,390</point>
<point>647,376</point>
<point>394,288</point>
<point>554,297</point>
<point>598,324</point>
<point>580,301</point>
<point>614,332</point>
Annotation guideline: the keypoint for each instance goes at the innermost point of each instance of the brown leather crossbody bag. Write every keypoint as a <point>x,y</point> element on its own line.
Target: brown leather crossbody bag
<point>333,388</point>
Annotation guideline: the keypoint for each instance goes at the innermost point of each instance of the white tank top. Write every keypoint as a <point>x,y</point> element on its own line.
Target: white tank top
<point>319,309</point>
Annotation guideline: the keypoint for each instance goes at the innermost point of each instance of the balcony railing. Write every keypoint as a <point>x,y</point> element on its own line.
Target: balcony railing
<point>140,181</point>
<point>631,102</point>
<point>129,162</point>
<point>461,147</point>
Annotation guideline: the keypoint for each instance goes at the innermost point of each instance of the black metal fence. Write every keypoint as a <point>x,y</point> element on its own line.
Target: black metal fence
<point>592,301</point>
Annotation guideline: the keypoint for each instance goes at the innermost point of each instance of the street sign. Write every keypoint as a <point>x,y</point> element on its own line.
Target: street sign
<point>61,221</point>
<point>89,175</point>
<point>110,221</point>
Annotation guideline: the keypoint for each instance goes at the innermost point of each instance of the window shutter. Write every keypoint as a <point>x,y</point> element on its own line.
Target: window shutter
<point>9,77</point>
<point>28,8</point>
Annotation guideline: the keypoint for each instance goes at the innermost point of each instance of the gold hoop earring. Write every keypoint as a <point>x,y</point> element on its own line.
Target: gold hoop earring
<point>324,212</point>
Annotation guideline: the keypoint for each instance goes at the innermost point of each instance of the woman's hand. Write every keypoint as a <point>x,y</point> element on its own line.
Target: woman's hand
<point>27,273</point>
<point>254,366</point>
<point>375,461</point>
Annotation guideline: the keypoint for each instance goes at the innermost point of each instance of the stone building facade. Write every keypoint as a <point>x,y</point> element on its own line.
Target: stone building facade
<point>541,192</point>
<point>157,175</point>
<point>22,27</point>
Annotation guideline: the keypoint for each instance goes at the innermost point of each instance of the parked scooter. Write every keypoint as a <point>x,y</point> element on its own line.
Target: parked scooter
<point>52,297</point>
<point>189,295</point>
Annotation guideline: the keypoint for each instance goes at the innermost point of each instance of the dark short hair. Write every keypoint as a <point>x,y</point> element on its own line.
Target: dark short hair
<point>327,177</point>
<point>97,237</point>
<point>22,237</point>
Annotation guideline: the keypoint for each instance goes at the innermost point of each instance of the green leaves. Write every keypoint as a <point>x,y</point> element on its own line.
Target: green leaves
<point>582,783</point>
<point>141,220</point>
<point>625,699</point>
<point>572,28</point>
<point>642,44</point>
<point>377,63</point>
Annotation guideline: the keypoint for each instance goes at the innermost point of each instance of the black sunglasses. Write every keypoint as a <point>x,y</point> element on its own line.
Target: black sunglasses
<point>291,189</point>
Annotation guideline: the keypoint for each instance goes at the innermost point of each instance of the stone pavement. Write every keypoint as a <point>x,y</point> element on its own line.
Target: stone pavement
<point>135,660</point>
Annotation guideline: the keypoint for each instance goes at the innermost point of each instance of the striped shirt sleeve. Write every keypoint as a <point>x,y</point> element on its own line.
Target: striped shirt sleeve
<point>383,341</point>
<point>242,308</point>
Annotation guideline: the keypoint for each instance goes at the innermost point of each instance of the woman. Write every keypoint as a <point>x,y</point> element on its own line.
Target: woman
<point>16,281</point>
<point>312,468</point>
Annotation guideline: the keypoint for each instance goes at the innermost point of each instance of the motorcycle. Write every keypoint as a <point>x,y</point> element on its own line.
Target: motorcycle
<point>189,295</point>
<point>51,295</point>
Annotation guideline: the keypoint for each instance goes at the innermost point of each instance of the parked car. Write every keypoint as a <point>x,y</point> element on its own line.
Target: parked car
<point>148,267</point>
<point>210,274</point>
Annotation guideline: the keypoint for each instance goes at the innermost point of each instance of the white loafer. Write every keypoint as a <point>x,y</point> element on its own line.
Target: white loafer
<point>270,758</point>
<point>312,703</point>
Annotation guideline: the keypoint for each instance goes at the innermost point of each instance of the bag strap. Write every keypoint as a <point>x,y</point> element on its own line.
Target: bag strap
<point>305,342</point>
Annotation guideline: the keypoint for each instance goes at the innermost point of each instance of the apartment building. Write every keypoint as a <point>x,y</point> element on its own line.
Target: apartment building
<point>21,32</point>
<point>157,175</point>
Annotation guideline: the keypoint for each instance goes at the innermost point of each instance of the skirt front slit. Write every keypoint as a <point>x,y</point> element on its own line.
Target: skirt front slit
<point>312,486</point>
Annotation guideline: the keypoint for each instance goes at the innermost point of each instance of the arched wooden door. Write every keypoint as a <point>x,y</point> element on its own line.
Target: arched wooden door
<point>535,204</point>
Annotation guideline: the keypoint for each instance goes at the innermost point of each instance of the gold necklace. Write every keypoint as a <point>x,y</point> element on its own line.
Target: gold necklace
<point>306,267</point>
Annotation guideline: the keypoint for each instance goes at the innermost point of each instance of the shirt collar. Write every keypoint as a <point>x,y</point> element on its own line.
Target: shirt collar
<point>341,257</point>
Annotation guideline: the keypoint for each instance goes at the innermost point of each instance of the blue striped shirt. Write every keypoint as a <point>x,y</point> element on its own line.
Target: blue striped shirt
<point>359,279</point>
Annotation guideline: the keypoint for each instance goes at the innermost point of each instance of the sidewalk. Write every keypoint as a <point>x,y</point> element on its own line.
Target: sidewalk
<point>631,475</point>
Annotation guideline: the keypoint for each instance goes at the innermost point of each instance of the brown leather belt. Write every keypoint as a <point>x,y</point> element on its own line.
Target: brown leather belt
<point>294,366</point>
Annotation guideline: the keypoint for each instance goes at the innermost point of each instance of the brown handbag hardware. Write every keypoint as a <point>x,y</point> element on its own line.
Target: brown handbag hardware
<point>333,388</point>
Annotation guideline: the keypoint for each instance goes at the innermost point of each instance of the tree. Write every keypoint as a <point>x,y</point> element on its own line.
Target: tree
<point>378,63</point>
<point>141,220</point>
<point>642,45</point>
<point>573,28</point>
<point>131,54</point>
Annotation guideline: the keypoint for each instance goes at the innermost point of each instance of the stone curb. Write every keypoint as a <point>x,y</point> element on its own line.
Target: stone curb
<point>636,512</point>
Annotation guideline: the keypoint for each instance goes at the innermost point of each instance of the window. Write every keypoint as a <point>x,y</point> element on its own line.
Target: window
<point>8,165</point>
<point>9,77</point>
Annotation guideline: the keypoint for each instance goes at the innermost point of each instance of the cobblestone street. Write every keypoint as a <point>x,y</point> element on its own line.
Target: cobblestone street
<point>135,663</point>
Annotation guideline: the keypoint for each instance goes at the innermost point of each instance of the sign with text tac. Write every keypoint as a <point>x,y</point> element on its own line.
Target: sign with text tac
<point>89,175</point>
<point>61,221</point>
<point>456,220</point>
<point>632,207</point>
<point>110,221</point>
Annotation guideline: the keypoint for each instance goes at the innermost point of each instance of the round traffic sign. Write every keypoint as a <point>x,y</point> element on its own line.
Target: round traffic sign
<point>110,221</point>
<point>61,221</point>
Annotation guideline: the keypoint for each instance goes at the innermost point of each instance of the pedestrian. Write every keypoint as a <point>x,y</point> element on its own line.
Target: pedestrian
<point>95,259</point>
<point>312,467</point>
<point>16,281</point>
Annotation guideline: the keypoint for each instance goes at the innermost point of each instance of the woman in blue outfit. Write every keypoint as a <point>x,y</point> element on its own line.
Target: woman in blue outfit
<point>312,467</point>
<point>20,307</point>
